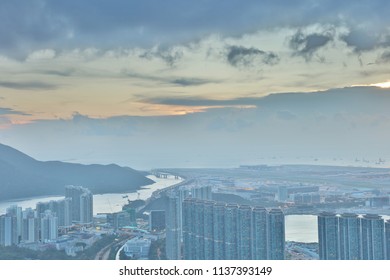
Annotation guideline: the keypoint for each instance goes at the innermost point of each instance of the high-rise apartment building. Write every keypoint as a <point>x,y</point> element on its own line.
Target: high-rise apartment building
<point>373,239</point>
<point>173,228</point>
<point>219,231</point>
<point>231,231</point>
<point>86,207</point>
<point>202,193</point>
<point>188,230</point>
<point>49,226</point>
<point>174,221</point>
<point>350,237</point>
<point>387,239</point>
<point>82,204</point>
<point>208,221</point>
<point>62,208</point>
<point>30,229</point>
<point>244,230</point>
<point>8,230</point>
<point>276,234</point>
<point>259,233</point>
<point>16,211</point>
<point>157,220</point>
<point>328,236</point>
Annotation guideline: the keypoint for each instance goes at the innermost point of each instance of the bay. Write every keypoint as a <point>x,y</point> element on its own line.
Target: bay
<point>102,203</point>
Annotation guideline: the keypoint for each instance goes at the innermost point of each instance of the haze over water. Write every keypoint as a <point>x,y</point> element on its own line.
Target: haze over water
<point>102,203</point>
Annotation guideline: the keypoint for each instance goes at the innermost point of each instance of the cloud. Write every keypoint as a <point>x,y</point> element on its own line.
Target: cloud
<point>292,104</point>
<point>45,54</point>
<point>225,135</point>
<point>384,57</point>
<point>27,26</point>
<point>31,85</point>
<point>119,126</point>
<point>191,81</point>
<point>177,81</point>
<point>71,24</point>
<point>306,45</point>
<point>9,111</point>
<point>62,73</point>
<point>365,39</point>
<point>239,56</point>
<point>170,55</point>
<point>360,40</point>
<point>200,101</point>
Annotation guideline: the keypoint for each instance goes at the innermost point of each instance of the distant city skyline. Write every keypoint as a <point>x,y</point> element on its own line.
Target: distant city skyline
<point>42,224</point>
<point>149,84</point>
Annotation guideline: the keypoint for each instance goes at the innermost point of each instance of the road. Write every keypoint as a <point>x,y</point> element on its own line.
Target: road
<point>104,253</point>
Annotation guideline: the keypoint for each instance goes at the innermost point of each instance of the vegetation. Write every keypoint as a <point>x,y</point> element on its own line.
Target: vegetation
<point>90,253</point>
<point>157,250</point>
<point>18,170</point>
<point>17,253</point>
<point>123,256</point>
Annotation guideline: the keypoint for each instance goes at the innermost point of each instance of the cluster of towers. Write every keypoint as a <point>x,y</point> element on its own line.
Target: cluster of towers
<point>198,228</point>
<point>353,237</point>
<point>174,217</point>
<point>42,224</point>
<point>220,231</point>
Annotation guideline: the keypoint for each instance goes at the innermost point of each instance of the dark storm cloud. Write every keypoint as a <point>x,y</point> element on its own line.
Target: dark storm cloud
<point>307,45</point>
<point>28,25</point>
<point>9,111</point>
<point>361,40</point>
<point>240,56</point>
<point>31,85</point>
<point>384,57</point>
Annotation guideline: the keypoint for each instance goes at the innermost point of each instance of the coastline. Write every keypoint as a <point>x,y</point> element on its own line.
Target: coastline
<point>106,202</point>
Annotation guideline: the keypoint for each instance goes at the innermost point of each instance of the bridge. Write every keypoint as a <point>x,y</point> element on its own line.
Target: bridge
<point>163,175</point>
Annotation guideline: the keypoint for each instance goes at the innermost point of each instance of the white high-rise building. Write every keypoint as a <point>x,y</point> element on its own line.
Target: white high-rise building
<point>16,211</point>
<point>82,204</point>
<point>173,228</point>
<point>30,229</point>
<point>8,230</point>
<point>49,227</point>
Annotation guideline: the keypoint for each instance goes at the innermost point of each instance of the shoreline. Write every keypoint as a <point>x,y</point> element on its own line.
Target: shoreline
<point>107,201</point>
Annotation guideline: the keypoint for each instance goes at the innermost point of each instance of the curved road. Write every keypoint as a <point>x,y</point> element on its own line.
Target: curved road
<point>104,253</point>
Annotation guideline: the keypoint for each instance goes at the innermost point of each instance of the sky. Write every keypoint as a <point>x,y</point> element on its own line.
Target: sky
<point>201,83</point>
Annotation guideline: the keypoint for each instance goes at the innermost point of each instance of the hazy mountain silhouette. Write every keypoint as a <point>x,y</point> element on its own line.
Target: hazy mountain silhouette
<point>22,176</point>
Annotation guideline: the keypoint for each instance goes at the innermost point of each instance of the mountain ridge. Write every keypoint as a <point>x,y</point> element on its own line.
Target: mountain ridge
<point>23,176</point>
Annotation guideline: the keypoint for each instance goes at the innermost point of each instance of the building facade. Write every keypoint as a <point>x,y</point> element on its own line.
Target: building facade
<point>219,231</point>
<point>353,237</point>
<point>81,202</point>
<point>328,236</point>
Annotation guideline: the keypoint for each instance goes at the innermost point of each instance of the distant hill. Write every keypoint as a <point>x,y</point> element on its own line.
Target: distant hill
<point>22,176</point>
